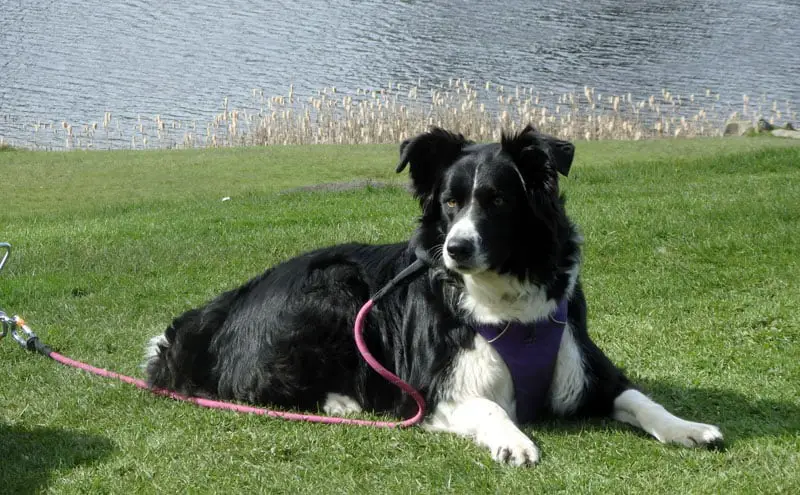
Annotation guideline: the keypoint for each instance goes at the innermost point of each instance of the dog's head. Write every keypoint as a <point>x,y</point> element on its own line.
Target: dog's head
<point>490,206</point>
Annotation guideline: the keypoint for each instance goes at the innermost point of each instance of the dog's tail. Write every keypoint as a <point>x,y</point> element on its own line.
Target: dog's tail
<point>179,359</point>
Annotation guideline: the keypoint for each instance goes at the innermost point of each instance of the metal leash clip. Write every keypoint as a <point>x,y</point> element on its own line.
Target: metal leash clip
<point>5,324</point>
<point>7,247</point>
<point>15,325</point>
<point>5,321</point>
<point>19,331</point>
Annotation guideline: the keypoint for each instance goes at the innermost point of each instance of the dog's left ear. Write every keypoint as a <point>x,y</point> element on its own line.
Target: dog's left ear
<point>531,149</point>
<point>429,155</point>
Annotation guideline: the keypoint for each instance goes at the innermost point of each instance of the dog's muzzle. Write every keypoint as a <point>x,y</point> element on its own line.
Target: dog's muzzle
<point>463,255</point>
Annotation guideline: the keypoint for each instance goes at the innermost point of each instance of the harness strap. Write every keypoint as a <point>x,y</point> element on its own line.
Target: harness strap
<point>529,351</point>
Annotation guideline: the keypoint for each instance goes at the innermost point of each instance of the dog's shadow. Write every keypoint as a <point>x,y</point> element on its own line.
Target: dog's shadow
<point>31,455</point>
<point>738,416</point>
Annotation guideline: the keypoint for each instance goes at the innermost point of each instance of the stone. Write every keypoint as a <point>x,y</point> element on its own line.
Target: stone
<point>738,127</point>
<point>763,125</point>
<point>786,133</point>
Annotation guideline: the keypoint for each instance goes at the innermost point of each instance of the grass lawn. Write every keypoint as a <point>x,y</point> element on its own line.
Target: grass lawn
<point>691,273</point>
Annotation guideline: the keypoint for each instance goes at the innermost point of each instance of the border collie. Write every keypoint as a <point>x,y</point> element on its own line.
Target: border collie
<point>493,334</point>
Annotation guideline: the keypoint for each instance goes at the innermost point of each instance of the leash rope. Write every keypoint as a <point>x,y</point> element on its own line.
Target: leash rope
<point>27,339</point>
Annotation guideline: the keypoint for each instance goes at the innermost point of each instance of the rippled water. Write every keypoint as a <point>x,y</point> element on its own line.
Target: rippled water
<point>74,61</point>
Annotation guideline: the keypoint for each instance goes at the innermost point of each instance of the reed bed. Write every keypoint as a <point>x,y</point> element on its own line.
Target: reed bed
<point>397,111</point>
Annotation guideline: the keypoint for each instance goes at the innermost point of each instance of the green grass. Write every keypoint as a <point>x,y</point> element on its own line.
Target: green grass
<point>691,274</point>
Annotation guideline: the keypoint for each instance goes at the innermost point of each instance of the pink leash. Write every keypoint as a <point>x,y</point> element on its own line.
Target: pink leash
<point>31,342</point>
<point>27,339</point>
<point>215,404</point>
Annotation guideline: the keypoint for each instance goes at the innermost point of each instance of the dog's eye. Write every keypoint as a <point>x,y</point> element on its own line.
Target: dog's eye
<point>498,201</point>
<point>452,203</point>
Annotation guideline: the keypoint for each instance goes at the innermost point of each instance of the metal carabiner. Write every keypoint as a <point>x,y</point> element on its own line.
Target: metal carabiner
<point>15,325</point>
<point>22,334</point>
<point>18,329</point>
<point>5,321</point>
<point>7,247</point>
<point>5,324</point>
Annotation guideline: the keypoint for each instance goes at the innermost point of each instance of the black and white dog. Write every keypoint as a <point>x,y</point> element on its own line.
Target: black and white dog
<point>493,335</point>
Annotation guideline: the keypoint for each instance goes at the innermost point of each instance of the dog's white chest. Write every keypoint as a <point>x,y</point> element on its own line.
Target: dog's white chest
<point>481,372</point>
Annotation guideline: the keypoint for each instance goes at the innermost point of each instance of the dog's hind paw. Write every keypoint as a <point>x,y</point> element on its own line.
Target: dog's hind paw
<point>340,405</point>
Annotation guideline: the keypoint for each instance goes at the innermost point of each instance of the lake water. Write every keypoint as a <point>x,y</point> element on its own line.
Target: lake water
<point>74,61</point>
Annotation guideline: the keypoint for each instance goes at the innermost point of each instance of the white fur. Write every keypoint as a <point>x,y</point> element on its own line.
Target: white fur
<point>493,298</point>
<point>569,376</point>
<point>481,372</point>
<point>340,405</point>
<point>464,228</point>
<point>480,405</point>
<point>635,408</point>
<point>488,425</point>
<point>152,346</point>
<point>575,269</point>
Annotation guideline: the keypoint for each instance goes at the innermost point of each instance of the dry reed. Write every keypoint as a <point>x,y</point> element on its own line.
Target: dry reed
<point>393,113</point>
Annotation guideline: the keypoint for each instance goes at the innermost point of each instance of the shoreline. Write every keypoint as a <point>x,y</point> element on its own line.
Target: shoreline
<point>397,111</point>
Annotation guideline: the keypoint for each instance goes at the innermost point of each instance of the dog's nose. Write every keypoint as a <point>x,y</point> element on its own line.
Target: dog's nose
<point>460,249</point>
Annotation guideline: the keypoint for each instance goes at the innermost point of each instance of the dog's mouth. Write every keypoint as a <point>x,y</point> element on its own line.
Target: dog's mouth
<point>464,267</point>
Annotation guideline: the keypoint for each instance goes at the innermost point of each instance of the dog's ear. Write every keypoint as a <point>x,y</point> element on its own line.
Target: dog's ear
<point>563,153</point>
<point>538,156</point>
<point>429,154</point>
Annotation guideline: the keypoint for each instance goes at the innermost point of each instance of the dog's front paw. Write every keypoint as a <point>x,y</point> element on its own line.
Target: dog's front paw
<point>690,434</point>
<point>517,450</point>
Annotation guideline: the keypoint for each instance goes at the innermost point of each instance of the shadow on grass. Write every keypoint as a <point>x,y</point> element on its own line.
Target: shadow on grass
<point>738,416</point>
<point>30,455</point>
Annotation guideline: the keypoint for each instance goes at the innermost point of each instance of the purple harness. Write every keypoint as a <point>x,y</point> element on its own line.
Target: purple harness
<point>529,351</point>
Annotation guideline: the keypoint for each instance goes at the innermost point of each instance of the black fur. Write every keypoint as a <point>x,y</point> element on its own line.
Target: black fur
<point>285,337</point>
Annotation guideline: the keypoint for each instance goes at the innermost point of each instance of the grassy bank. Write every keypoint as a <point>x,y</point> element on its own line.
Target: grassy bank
<point>691,274</point>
